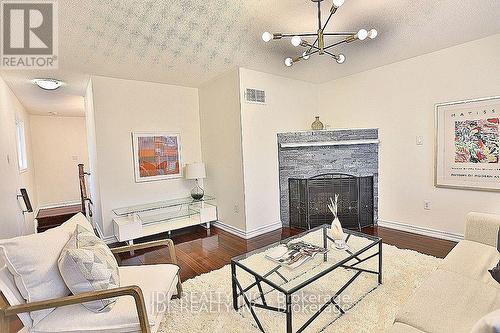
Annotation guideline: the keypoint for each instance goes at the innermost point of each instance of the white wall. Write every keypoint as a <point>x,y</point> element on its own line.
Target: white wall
<point>399,99</point>
<point>94,189</point>
<point>291,106</point>
<point>220,121</point>
<point>12,222</point>
<point>122,107</point>
<point>59,145</point>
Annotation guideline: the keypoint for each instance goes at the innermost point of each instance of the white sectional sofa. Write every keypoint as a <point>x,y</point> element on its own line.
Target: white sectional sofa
<point>461,291</point>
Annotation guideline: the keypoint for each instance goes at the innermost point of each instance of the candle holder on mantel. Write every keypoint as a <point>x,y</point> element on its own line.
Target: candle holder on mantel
<point>317,125</point>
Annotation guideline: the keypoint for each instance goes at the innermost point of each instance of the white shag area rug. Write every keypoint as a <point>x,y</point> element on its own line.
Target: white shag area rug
<point>206,305</point>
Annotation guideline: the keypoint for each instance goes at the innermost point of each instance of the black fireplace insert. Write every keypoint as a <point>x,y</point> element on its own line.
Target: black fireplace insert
<point>309,199</point>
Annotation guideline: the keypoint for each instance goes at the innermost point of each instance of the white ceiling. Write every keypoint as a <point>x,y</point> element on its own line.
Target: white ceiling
<point>65,101</point>
<point>188,42</point>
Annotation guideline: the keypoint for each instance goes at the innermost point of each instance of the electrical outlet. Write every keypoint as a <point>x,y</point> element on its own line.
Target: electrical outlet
<point>420,140</point>
<point>427,205</point>
<point>236,209</point>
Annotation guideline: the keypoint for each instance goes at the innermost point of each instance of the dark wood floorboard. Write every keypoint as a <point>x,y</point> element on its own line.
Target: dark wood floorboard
<point>200,251</point>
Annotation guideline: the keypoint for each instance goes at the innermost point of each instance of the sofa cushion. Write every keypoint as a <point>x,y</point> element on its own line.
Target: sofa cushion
<point>463,300</point>
<point>158,284</point>
<point>87,264</point>
<point>473,260</point>
<point>32,260</point>
<point>488,324</point>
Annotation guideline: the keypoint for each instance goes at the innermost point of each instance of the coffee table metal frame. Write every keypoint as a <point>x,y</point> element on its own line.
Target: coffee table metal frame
<point>239,291</point>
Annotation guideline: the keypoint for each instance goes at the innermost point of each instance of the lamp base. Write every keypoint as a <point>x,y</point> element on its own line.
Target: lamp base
<point>197,192</point>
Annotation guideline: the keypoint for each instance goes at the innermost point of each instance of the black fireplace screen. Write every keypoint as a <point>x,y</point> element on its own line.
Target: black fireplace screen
<point>309,199</point>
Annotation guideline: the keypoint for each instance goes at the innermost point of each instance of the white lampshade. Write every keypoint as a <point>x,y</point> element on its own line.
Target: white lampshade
<point>195,171</point>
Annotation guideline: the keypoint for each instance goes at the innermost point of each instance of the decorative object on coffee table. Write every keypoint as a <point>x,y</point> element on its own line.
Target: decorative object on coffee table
<point>196,171</point>
<point>294,254</point>
<point>317,125</point>
<point>336,230</point>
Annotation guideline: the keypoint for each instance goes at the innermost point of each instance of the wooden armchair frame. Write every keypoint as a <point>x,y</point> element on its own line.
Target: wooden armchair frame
<point>8,312</point>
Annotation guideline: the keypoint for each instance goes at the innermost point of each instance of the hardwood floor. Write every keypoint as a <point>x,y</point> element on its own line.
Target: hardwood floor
<point>201,251</point>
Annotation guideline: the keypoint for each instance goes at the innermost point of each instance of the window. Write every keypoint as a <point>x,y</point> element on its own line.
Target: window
<point>21,146</point>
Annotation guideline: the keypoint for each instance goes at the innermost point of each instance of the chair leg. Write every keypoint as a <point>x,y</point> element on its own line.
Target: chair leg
<point>4,323</point>
<point>179,285</point>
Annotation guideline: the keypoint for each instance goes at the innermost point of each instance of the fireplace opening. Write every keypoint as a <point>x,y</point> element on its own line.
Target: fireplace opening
<point>309,199</point>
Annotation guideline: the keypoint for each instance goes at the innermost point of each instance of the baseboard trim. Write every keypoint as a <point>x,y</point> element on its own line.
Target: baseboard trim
<point>229,228</point>
<point>248,234</point>
<point>108,239</point>
<point>264,229</point>
<point>61,204</point>
<point>421,230</point>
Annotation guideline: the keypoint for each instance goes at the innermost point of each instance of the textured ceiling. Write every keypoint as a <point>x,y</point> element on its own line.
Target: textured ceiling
<point>188,42</point>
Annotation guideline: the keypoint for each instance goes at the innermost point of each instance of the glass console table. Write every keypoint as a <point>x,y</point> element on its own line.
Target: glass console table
<point>153,218</point>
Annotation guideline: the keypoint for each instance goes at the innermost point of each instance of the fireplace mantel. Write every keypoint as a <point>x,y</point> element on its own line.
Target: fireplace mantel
<point>329,143</point>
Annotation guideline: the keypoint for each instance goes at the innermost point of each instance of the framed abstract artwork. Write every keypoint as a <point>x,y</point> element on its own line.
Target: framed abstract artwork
<point>157,156</point>
<point>467,144</point>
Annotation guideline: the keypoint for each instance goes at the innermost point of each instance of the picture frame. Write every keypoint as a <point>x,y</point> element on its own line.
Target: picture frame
<point>467,142</point>
<point>157,156</point>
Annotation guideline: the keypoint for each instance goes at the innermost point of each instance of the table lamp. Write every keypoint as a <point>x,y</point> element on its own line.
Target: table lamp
<point>196,171</point>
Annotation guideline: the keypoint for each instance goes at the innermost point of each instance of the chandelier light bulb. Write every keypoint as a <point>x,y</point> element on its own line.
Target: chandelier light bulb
<point>296,40</point>
<point>305,55</point>
<point>362,34</point>
<point>288,62</point>
<point>372,34</point>
<point>340,59</point>
<point>267,36</point>
<point>338,3</point>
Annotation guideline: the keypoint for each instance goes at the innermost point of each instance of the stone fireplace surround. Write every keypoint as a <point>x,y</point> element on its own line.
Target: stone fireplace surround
<point>311,153</point>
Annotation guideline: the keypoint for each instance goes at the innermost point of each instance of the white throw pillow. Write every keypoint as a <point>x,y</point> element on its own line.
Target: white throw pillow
<point>32,260</point>
<point>488,324</point>
<point>78,219</point>
<point>87,264</point>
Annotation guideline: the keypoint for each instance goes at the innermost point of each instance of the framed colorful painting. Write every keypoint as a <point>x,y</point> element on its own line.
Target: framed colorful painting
<point>157,156</point>
<point>467,144</point>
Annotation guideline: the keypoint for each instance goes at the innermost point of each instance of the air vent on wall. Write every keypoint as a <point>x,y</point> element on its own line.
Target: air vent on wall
<point>255,96</point>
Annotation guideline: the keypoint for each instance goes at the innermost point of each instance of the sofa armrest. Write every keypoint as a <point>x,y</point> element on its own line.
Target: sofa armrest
<point>133,291</point>
<point>482,228</point>
<point>165,242</point>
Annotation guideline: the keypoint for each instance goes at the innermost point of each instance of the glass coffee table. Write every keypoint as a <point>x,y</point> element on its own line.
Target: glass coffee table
<point>260,272</point>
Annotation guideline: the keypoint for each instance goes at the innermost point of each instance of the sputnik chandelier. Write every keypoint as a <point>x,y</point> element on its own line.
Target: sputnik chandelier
<point>319,47</point>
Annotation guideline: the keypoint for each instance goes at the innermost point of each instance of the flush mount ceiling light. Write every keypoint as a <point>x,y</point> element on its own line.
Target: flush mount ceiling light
<point>48,84</point>
<point>319,46</point>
